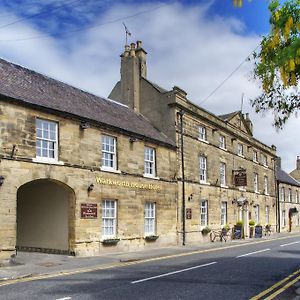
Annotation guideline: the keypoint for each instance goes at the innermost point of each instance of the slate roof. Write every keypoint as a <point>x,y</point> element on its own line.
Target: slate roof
<point>286,178</point>
<point>28,87</point>
<point>228,116</point>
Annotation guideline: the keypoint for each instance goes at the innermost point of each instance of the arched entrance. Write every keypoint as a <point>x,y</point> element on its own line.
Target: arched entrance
<point>45,210</point>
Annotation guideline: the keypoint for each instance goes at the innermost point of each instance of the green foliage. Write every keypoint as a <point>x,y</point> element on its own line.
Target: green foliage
<point>239,223</point>
<point>206,230</point>
<point>226,227</point>
<point>277,65</point>
<point>251,222</point>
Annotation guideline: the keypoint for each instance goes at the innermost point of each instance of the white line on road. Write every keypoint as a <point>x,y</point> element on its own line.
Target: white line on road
<point>253,252</point>
<point>66,298</point>
<point>289,244</point>
<point>175,272</point>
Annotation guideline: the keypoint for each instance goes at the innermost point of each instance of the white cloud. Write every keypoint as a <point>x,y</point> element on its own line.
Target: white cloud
<point>185,48</point>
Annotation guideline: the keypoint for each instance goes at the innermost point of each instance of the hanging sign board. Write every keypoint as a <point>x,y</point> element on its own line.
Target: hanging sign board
<point>240,178</point>
<point>88,210</point>
<point>258,232</point>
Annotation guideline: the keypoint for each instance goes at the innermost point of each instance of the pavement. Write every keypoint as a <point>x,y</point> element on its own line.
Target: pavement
<point>29,264</point>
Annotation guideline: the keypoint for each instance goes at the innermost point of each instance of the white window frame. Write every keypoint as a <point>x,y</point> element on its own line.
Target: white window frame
<point>255,156</point>
<point>203,213</point>
<point>109,218</point>
<point>150,218</point>
<point>240,149</point>
<point>282,194</point>
<point>149,162</point>
<point>264,159</point>
<point>222,142</point>
<point>43,139</point>
<point>109,157</point>
<point>203,168</point>
<point>223,213</point>
<point>267,213</point>
<point>266,185</point>
<point>290,195</point>
<point>223,174</point>
<point>255,182</point>
<point>283,218</point>
<point>202,133</point>
<point>256,214</point>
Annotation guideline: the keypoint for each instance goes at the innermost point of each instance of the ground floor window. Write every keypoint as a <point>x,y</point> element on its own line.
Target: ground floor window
<point>203,213</point>
<point>267,214</point>
<point>256,214</point>
<point>298,219</point>
<point>223,212</point>
<point>283,221</point>
<point>150,218</point>
<point>109,213</point>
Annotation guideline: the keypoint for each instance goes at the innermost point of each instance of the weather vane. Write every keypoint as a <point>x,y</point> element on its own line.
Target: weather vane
<point>127,32</point>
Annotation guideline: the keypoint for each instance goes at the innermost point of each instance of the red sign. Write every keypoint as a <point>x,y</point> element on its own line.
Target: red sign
<point>188,213</point>
<point>88,210</point>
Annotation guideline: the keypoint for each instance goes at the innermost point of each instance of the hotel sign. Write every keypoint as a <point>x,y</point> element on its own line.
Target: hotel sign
<point>240,178</point>
<point>88,210</point>
<point>128,184</point>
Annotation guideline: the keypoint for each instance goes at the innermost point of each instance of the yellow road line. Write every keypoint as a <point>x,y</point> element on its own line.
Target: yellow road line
<point>124,264</point>
<point>276,285</point>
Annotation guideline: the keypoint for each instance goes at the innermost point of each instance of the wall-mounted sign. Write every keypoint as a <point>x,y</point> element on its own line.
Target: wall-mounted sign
<point>240,178</point>
<point>128,184</point>
<point>88,210</point>
<point>188,213</point>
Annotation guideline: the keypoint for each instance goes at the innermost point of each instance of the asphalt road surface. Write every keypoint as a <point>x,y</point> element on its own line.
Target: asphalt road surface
<point>233,273</point>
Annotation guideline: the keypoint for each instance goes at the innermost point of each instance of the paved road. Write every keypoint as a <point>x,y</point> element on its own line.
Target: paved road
<point>233,273</point>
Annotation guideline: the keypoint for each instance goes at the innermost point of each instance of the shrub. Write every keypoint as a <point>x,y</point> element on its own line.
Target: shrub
<point>206,230</point>
<point>226,227</point>
<point>239,223</point>
<point>251,223</point>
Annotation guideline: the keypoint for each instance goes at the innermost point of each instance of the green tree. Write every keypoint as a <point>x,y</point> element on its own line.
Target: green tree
<point>277,63</point>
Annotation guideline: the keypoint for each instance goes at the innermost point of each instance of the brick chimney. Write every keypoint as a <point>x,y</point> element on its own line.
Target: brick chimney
<point>298,163</point>
<point>133,67</point>
<point>248,122</point>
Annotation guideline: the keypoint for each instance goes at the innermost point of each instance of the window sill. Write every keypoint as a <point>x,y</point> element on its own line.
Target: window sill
<point>48,161</point>
<point>110,170</point>
<point>265,166</point>
<point>150,176</point>
<point>241,155</point>
<point>266,194</point>
<point>224,149</point>
<point>256,162</point>
<point>204,141</point>
<point>224,186</point>
<point>256,192</point>
<point>204,182</point>
<point>242,189</point>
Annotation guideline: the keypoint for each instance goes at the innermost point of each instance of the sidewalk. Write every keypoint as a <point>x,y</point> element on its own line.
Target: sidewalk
<point>27,264</point>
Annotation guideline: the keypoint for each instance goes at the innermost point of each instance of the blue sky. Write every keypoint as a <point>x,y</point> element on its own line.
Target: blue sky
<point>192,44</point>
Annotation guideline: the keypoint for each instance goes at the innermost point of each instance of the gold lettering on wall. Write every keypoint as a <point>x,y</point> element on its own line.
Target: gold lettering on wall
<point>128,184</point>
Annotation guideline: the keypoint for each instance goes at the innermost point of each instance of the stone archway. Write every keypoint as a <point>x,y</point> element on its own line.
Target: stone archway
<point>45,213</point>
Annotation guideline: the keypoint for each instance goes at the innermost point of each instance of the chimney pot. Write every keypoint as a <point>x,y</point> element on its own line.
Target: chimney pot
<point>132,45</point>
<point>298,162</point>
<point>139,44</point>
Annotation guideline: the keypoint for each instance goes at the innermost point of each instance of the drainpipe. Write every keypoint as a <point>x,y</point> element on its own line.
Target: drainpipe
<point>181,113</point>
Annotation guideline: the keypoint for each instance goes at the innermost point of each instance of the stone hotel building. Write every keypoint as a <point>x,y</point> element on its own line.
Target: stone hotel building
<point>82,174</point>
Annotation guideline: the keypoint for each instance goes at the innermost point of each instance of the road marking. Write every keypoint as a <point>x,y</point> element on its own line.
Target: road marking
<point>276,285</point>
<point>120,264</point>
<point>289,244</point>
<point>174,272</point>
<point>259,251</point>
<point>65,298</point>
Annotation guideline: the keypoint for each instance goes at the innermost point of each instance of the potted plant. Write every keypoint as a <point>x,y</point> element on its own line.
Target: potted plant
<point>110,241</point>
<point>206,230</point>
<point>151,238</point>
<point>226,228</point>
<point>251,224</point>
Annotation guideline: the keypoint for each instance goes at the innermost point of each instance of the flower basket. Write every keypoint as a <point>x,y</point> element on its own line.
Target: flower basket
<point>151,238</point>
<point>206,230</point>
<point>110,242</point>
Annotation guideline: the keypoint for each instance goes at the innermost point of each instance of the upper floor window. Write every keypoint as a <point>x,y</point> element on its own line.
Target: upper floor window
<point>203,169</point>
<point>240,149</point>
<point>202,133</point>
<point>297,197</point>
<point>282,194</point>
<point>290,195</point>
<point>149,161</point>
<point>203,213</point>
<point>266,192</point>
<point>223,174</point>
<point>255,156</point>
<point>222,142</point>
<point>46,140</point>
<point>149,218</point>
<point>264,160</point>
<point>109,152</point>
<point>255,182</point>
<point>109,214</point>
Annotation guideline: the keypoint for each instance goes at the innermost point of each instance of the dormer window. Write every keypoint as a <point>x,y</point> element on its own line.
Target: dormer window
<point>202,133</point>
